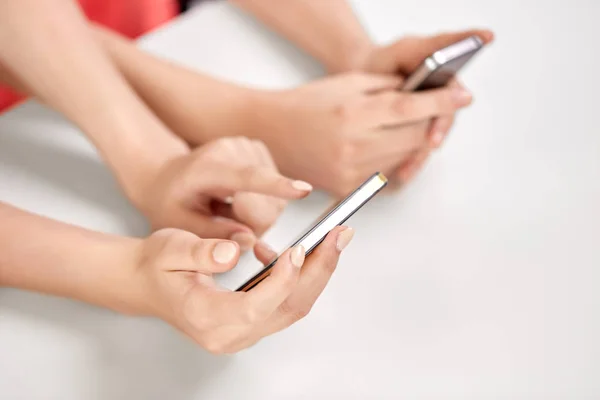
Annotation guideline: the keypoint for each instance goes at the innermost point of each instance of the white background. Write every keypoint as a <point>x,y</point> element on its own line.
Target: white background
<point>477,282</point>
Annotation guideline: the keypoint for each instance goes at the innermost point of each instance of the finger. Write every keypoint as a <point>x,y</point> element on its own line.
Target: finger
<point>216,256</point>
<point>222,181</point>
<point>314,278</point>
<point>406,172</point>
<point>219,227</point>
<point>264,253</point>
<point>372,83</point>
<point>264,155</point>
<point>247,148</point>
<point>439,130</point>
<point>388,143</point>
<point>184,251</point>
<point>268,295</point>
<point>257,211</point>
<point>402,108</point>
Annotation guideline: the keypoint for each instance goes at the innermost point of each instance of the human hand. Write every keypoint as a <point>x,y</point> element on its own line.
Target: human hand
<point>401,58</point>
<point>336,132</point>
<point>228,188</point>
<point>176,269</point>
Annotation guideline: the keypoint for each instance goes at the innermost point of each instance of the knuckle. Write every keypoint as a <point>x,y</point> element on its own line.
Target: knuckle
<point>288,282</point>
<point>174,240</point>
<point>346,181</point>
<point>215,346</point>
<point>343,113</point>
<point>251,316</point>
<point>345,155</point>
<point>329,267</point>
<point>295,313</point>
<point>356,77</point>
<point>259,144</point>
<point>251,174</point>
<point>403,105</point>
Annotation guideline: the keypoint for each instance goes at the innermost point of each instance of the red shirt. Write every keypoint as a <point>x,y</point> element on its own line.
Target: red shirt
<point>131,18</point>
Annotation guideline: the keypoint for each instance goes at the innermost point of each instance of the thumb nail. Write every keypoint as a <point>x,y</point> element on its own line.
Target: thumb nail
<point>224,252</point>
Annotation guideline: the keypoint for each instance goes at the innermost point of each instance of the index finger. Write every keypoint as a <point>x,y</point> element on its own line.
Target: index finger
<point>223,181</point>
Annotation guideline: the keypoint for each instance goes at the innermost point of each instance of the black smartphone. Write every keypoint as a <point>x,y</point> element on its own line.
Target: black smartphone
<point>440,67</point>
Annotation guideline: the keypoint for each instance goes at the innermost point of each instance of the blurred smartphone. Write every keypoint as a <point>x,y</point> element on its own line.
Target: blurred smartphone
<point>440,67</point>
<point>336,216</point>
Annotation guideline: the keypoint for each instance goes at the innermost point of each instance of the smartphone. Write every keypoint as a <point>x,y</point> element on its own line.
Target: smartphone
<point>337,215</point>
<point>439,68</point>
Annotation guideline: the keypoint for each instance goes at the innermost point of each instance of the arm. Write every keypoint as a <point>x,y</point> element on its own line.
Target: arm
<point>339,42</point>
<point>167,275</point>
<point>49,51</point>
<point>290,122</point>
<point>171,91</point>
<point>51,257</point>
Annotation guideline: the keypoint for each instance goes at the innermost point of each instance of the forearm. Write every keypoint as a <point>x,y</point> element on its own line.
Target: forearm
<point>49,51</point>
<point>195,106</point>
<point>326,29</point>
<point>47,256</point>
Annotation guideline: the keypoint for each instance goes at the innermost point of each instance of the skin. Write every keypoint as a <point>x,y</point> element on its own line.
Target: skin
<point>151,164</point>
<point>333,132</point>
<point>136,130</point>
<point>168,275</point>
<point>341,44</point>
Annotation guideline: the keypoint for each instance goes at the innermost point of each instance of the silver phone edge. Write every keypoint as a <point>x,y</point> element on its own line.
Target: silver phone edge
<point>439,58</point>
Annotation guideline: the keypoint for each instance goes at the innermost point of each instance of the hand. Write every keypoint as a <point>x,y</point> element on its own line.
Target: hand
<point>228,188</point>
<point>402,58</point>
<point>337,131</point>
<point>176,268</point>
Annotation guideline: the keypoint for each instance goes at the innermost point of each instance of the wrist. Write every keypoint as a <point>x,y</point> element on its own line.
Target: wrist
<point>353,57</point>
<point>260,113</point>
<point>113,280</point>
<point>139,163</point>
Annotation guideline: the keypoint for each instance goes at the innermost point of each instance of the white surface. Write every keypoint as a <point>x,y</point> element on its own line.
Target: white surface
<point>479,282</point>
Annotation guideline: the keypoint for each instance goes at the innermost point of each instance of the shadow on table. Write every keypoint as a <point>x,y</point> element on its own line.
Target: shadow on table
<point>131,358</point>
<point>68,170</point>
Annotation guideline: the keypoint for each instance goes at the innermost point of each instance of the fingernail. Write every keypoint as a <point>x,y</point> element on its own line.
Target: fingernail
<point>461,96</point>
<point>437,138</point>
<point>303,186</point>
<point>297,256</point>
<point>246,240</point>
<point>344,238</point>
<point>265,246</point>
<point>224,252</point>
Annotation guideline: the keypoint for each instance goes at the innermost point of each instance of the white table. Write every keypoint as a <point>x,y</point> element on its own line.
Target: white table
<point>481,278</point>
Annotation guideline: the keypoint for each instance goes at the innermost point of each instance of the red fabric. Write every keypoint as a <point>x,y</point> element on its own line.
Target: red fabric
<point>131,18</point>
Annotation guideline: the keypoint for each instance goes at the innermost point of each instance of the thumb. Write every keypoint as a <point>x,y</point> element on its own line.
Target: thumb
<point>215,256</point>
<point>221,228</point>
<point>177,250</point>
